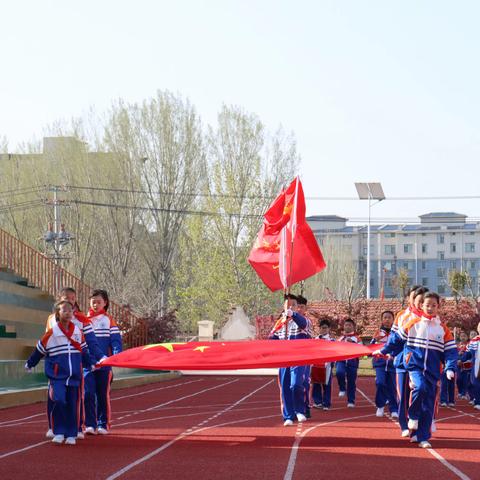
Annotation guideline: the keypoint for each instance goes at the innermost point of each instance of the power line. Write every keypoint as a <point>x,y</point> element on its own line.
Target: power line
<point>168,210</point>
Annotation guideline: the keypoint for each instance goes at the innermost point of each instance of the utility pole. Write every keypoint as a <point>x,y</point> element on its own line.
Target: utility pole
<point>56,235</point>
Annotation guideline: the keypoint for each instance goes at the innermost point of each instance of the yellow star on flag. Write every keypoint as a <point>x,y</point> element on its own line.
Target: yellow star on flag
<point>168,346</point>
<point>202,348</point>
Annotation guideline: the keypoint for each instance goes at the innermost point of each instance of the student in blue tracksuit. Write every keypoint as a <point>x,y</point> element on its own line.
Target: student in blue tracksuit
<point>470,355</point>
<point>80,320</point>
<point>322,392</point>
<point>465,368</point>
<point>447,391</point>
<point>302,310</point>
<point>97,383</point>
<point>347,369</point>
<point>385,370</point>
<point>292,326</point>
<point>426,343</point>
<point>64,349</point>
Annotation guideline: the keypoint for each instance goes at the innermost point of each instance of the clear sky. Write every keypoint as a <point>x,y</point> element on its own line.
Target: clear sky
<point>383,90</point>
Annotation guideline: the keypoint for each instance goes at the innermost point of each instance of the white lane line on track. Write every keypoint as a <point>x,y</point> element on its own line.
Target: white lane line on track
<point>184,434</point>
<point>137,412</point>
<point>432,452</point>
<point>20,419</point>
<point>298,438</point>
<point>23,449</point>
<point>156,389</point>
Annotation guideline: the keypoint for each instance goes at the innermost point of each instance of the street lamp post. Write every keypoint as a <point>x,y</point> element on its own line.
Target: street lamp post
<point>369,191</point>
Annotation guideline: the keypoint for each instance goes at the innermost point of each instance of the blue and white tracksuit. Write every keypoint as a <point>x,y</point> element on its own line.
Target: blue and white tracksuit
<point>97,383</point>
<point>348,369</point>
<point>385,376</point>
<point>292,379</point>
<point>447,389</point>
<point>402,380</point>
<point>63,368</point>
<point>464,384</point>
<point>81,321</point>
<point>322,392</point>
<point>470,354</point>
<point>426,344</point>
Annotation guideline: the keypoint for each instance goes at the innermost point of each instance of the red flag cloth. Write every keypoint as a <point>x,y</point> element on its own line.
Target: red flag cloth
<point>237,355</point>
<point>286,250</point>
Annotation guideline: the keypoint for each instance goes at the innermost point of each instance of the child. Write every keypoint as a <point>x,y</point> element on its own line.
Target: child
<point>470,354</point>
<point>348,368</point>
<point>447,391</point>
<point>292,326</point>
<point>64,348</point>
<point>81,321</point>
<point>322,374</point>
<point>97,383</point>
<point>426,343</point>
<point>302,310</point>
<point>415,300</point>
<point>385,370</point>
<point>463,377</point>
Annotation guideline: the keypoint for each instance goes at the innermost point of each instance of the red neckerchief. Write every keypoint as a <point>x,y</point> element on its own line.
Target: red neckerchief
<point>417,312</point>
<point>92,313</point>
<point>69,333</point>
<point>81,317</point>
<point>427,316</point>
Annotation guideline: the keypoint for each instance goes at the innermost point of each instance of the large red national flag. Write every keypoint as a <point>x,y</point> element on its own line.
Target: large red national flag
<point>286,251</point>
<point>237,355</point>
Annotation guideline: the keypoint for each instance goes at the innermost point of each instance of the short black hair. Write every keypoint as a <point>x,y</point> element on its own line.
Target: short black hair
<point>412,289</point>
<point>387,311</point>
<point>103,294</point>
<point>325,322</point>
<point>432,295</point>
<point>301,300</point>
<point>290,296</point>
<point>420,291</point>
<point>350,321</point>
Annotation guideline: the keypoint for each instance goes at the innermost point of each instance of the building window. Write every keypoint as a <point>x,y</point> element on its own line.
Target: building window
<point>441,289</point>
<point>389,235</point>
<point>441,255</point>
<point>469,247</point>
<point>440,272</point>
<point>424,265</point>
<point>347,236</point>
<point>424,247</point>
<point>441,238</point>
<point>406,234</point>
<point>453,248</point>
<point>453,234</point>
<point>389,249</point>
<point>364,235</point>
<point>365,250</point>
<point>408,248</point>
<point>387,266</point>
<point>408,265</point>
<point>453,264</point>
<point>472,265</point>
<point>424,234</point>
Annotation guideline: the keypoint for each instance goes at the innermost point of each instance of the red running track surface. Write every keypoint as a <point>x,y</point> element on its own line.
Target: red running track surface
<point>227,427</point>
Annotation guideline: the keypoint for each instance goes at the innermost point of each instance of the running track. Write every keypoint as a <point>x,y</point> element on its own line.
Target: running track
<point>224,427</point>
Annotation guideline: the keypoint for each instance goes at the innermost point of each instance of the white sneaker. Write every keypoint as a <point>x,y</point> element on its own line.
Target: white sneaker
<point>451,404</point>
<point>414,439</point>
<point>80,436</point>
<point>413,424</point>
<point>405,433</point>
<point>90,431</point>
<point>301,417</point>
<point>477,407</point>
<point>326,408</point>
<point>70,441</point>
<point>394,415</point>
<point>379,412</point>
<point>317,405</point>
<point>425,444</point>
<point>102,431</point>
<point>350,405</point>
<point>433,428</point>
<point>288,423</point>
<point>443,404</point>
<point>49,433</point>
<point>58,439</point>
<point>471,402</point>
<point>341,393</point>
